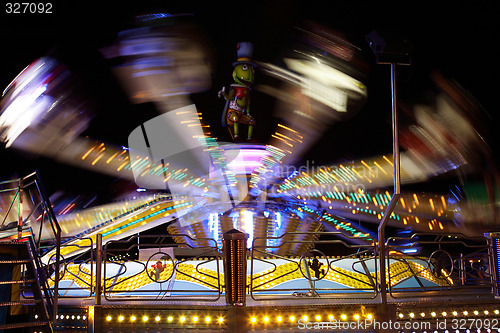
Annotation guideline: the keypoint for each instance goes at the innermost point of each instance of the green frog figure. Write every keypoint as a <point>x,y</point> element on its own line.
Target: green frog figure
<point>237,108</point>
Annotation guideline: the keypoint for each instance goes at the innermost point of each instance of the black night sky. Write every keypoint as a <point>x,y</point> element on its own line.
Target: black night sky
<point>460,41</point>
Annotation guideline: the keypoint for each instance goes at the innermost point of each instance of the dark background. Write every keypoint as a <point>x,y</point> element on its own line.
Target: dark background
<point>459,40</point>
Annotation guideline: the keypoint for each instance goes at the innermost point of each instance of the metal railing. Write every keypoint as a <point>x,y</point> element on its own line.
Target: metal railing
<point>351,274</point>
<point>169,270</point>
<point>29,206</point>
<point>157,268</point>
<point>448,264</point>
<point>78,270</point>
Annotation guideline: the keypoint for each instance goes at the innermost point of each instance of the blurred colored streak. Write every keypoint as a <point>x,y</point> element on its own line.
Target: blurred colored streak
<point>323,83</point>
<point>41,114</point>
<point>164,59</point>
<point>43,101</point>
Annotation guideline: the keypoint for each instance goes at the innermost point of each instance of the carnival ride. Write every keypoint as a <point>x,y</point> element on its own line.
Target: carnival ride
<point>219,202</point>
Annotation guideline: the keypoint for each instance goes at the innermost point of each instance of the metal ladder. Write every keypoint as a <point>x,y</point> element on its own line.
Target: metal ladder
<point>23,307</point>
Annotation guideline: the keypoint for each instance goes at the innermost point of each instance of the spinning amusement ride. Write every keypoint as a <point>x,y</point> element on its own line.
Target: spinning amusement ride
<point>251,241</point>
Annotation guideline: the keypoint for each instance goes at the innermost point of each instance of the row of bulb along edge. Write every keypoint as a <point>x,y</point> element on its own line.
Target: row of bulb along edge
<point>286,317</point>
<point>255,318</point>
<point>448,313</point>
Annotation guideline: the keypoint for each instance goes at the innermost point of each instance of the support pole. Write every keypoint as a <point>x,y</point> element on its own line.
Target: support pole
<point>98,269</point>
<point>395,132</point>
<point>57,277</point>
<point>397,188</point>
<point>20,211</point>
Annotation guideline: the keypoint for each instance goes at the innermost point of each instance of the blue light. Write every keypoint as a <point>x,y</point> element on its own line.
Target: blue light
<point>278,223</point>
<point>248,225</point>
<point>213,225</point>
<point>277,228</point>
<point>293,174</point>
<point>156,16</point>
<point>235,215</point>
<point>276,231</point>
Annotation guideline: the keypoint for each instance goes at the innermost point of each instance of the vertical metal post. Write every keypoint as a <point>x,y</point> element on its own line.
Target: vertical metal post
<point>98,269</point>
<point>395,132</point>
<point>20,211</point>
<point>462,269</point>
<point>55,303</point>
<point>307,274</point>
<point>397,187</point>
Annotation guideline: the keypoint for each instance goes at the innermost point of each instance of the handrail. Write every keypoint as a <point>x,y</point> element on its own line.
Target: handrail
<point>54,223</point>
<point>27,183</point>
<point>42,277</point>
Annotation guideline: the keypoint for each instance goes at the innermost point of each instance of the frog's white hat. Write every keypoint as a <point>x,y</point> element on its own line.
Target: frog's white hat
<point>244,51</point>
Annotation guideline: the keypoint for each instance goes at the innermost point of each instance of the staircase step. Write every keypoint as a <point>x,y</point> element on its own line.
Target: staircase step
<point>18,281</point>
<point>25,253</point>
<point>22,302</point>
<point>14,262</point>
<point>69,328</point>
<point>26,324</point>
